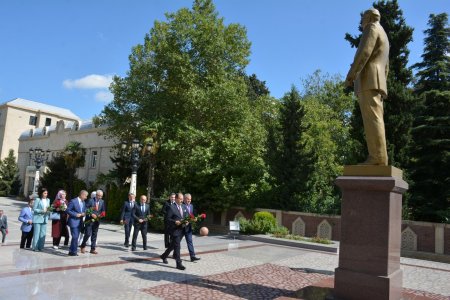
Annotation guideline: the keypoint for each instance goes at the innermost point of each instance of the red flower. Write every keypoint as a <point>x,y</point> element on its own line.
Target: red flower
<point>203,216</point>
<point>103,214</point>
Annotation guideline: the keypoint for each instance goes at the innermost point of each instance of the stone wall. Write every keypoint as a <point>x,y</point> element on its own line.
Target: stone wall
<point>416,236</point>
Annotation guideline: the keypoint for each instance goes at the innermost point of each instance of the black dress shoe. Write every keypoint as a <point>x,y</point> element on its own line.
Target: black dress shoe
<point>126,245</point>
<point>181,267</point>
<point>145,248</point>
<point>195,258</point>
<point>164,259</point>
<point>133,249</point>
<point>73,254</point>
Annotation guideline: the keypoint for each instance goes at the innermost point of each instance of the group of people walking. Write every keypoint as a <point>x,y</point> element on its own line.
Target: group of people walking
<point>81,216</point>
<point>63,214</point>
<point>175,211</point>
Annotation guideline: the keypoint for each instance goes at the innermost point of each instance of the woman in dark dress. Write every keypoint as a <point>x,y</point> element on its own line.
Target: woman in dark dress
<point>59,227</point>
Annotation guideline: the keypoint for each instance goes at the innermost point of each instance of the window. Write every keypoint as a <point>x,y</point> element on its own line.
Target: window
<point>33,120</point>
<point>94,159</point>
<point>48,121</point>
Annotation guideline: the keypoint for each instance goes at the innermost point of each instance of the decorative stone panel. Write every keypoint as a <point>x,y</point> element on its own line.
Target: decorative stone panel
<point>409,239</point>
<point>239,215</point>
<point>299,227</point>
<point>324,230</point>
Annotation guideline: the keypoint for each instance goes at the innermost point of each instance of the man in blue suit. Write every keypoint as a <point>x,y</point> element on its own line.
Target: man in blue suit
<point>141,213</point>
<point>76,211</point>
<point>126,217</point>
<point>175,215</point>
<point>26,217</point>
<point>97,204</point>
<point>188,228</point>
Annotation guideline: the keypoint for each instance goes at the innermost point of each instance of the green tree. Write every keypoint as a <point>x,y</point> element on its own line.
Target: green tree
<point>74,158</point>
<point>434,70</point>
<point>185,91</point>
<point>400,103</point>
<point>293,163</point>
<point>430,192</point>
<point>9,175</point>
<point>60,176</point>
<point>327,115</point>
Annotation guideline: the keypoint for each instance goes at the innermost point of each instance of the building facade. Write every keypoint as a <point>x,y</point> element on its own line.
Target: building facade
<point>55,138</point>
<point>19,115</point>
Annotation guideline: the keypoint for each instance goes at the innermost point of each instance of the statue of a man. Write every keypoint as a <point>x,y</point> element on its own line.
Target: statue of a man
<point>368,73</point>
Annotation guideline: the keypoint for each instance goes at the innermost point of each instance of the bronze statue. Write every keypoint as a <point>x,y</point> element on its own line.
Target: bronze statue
<point>368,73</point>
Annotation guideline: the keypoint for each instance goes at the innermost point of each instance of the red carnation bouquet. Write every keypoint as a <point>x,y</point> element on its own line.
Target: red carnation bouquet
<point>90,212</point>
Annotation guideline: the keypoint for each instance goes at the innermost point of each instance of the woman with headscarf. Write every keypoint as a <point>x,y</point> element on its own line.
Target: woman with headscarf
<point>59,227</point>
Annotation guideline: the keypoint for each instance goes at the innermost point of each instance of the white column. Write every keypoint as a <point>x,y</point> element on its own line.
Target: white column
<point>439,238</point>
<point>133,183</point>
<point>36,183</point>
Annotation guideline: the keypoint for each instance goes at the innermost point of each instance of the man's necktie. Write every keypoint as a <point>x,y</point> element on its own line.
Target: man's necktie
<point>96,205</point>
<point>180,210</point>
<point>142,209</point>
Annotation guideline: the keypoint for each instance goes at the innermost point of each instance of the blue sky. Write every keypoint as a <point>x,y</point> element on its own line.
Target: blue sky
<point>64,52</point>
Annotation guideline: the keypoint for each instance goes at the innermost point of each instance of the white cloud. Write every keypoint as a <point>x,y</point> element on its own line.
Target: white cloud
<point>103,96</point>
<point>92,81</point>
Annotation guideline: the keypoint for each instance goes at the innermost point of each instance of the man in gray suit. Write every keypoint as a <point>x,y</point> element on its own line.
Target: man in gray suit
<point>368,73</point>
<point>3,225</point>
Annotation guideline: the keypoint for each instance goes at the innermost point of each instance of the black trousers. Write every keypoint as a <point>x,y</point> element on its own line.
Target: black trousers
<point>26,237</point>
<point>175,246</point>
<point>166,235</point>
<point>142,227</point>
<point>127,227</point>
<point>90,231</point>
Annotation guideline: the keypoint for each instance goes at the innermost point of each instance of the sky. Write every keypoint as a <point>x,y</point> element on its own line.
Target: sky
<point>65,52</point>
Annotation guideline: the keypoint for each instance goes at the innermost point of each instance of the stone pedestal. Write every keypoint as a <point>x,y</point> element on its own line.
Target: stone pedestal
<point>371,216</point>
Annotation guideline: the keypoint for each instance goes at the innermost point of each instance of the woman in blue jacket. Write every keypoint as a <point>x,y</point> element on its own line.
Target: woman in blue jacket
<point>40,219</point>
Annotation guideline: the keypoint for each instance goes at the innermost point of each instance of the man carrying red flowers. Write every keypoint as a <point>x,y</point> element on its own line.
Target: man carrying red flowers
<point>96,206</point>
<point>188,228</point>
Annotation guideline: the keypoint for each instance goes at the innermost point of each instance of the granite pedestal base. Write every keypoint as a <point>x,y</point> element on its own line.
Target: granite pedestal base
<point>369,259</point>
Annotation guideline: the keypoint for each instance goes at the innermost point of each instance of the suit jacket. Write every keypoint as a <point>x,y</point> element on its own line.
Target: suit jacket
<point>91,204</point>
<point>26,214</point>
<point>138,214</point>
<point>4,222</point>
<point>166,206</point>
<point>127,214</point>
<point>38,210</point>
<point>173,215</point>
<point>371,63</point>
<point>72,210</point>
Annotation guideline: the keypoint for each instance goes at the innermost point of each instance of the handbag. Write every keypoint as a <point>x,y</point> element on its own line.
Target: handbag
<point>55,216</point>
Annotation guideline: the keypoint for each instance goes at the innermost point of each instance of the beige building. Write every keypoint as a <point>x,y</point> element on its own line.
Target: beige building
<point>55,138</point>
<point>19,115</point>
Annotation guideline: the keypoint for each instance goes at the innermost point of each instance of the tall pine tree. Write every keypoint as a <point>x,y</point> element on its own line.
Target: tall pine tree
<point>430,192</point>
<point>294,164</point>
<point>400,104</point>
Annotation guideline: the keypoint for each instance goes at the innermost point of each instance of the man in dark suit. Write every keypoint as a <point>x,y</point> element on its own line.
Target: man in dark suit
<point>76,211</point>
<point>141,213</point>
<point>26,217</point>
<point>97,204</point>
<point>175,215</point>
<point>126,217</point>
<point>3,225</point>
<point>165,208</point>
<point>368,74</point>
<point>188,228</point>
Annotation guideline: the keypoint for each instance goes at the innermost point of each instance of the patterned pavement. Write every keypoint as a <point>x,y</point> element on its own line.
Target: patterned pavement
<point>228,269</point>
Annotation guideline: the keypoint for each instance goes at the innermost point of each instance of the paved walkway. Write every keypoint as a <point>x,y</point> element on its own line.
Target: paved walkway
<point>228,269</point>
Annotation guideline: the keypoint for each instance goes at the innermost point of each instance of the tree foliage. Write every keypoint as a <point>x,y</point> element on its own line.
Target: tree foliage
<point>434,70</point>
<point>9,175</point>
<point>430,192</point>
<point>185,91</point>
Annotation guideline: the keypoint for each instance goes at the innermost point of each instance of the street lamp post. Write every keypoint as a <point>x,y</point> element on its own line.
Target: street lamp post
<point>136,147</point>
<point>39,157</point>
